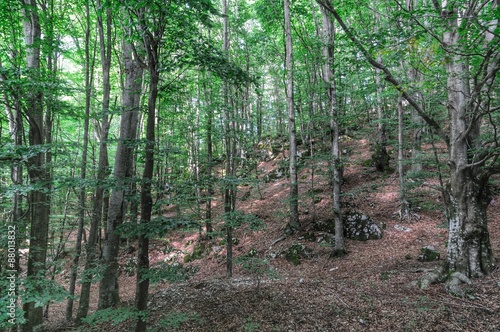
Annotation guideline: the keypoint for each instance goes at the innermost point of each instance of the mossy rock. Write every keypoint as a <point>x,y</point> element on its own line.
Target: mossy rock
<point>367,163</point>
<point>309,236</point>
<point>429,254</point>
<point>198,251</point>
<point>297,252</point>
<point>251,253</point>
<point>360,227</point>
<point>327,226</point>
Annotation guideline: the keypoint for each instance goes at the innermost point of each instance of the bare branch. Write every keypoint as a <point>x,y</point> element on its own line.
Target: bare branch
<point>388,75</point>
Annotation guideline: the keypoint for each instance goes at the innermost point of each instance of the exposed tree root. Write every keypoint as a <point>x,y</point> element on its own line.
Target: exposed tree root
<point>337,253</point>
<point>406,214</point>
<point>452,282</point>
<point>283,237</point>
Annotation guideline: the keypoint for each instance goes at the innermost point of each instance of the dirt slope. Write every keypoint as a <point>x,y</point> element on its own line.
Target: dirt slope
<point>368,290</point>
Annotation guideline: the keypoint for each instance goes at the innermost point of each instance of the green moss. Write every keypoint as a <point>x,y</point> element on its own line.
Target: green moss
<point>296,252</point>
<point>197,253</point>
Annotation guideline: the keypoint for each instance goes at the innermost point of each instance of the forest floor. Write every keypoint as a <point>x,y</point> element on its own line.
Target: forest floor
<point>370,289</point>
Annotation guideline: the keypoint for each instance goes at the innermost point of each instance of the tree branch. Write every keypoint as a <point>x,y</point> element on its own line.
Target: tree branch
<point>388,75</point>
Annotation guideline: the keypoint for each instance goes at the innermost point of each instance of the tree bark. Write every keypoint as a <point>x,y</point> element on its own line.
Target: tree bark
<point>38,177</point>
<point>469,247</point>
<point>142,283</point>
<point>123,171</point>
<point>404,210</point>
<point>83,170</point>
<point>328,35</point>
<point>229,190</point>
<point>102,167</point>
<point>210,189</point>
<point>293,223</point>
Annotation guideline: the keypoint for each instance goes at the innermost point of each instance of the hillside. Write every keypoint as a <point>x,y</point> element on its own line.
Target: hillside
<point>370,289</point>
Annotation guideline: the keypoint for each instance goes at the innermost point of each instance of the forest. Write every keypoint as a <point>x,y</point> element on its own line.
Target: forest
<point>249,165</point>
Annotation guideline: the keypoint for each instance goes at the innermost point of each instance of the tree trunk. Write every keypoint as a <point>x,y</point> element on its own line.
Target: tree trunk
<point>142,283</point>
<point>38,199</point>
<point>123,170</point>
<point>102,170</point>
<point>83,169</point>
<point>210,189</point>
<point>469,247</point>
<point>404,210</point>
<point>380,158</point>
<point>229,190</point>
<point>328,36</point>
<point>293,223</point>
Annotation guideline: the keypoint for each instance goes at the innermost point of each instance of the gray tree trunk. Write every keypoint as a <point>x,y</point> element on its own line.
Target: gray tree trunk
<point>469,246</point>
<point>123,170</point>
<point>328,36</point>
<point>151,45</point>
<point>293,223</point>
<point>102,167</point>
<point>83,170</point>
<point>404,210</point>
<point>229,190</point>
<point>38,175</point>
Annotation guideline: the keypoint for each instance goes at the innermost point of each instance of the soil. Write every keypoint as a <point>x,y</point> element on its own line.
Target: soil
<point>370,289</point>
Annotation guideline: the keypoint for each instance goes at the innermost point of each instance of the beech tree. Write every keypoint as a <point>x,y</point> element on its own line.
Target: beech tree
<point>328,34</point>
<point>294,223</point>
<point>38,175</point>
<point>104,29</point>
<point>83,170</point>
<point>201,94</point>
<point>470,132</point>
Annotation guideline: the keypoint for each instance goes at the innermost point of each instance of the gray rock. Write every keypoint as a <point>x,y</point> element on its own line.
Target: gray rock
<point>428,254</point>
<point>358,226</point>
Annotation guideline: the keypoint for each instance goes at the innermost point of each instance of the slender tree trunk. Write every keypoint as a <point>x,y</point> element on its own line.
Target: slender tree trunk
<point>102,168</point>
<point>380,158</point>
<point>416,120</point>
<point>83,169</point>
<point>404,211</point>
<point>328,35</point>
<point>142,283</point>
<point>210,189</point>
<point>228,125</point>
<point>38,199</point>
<point>293,223</point>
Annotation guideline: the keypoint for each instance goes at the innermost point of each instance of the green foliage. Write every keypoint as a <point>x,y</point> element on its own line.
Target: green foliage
<point>296,252</point>
<point>158,227</point>
<point>43,291</point>
<point>251,326</point>
<point>115,316</point>
<point>197,253</point>
<point>237,219</point>
<point>172,321</point>
<point>258,267</point>
<point>165,272</point>
<point>212,59</point>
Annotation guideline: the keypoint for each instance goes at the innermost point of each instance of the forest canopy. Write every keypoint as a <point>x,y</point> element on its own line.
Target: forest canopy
<point>123,120</point>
